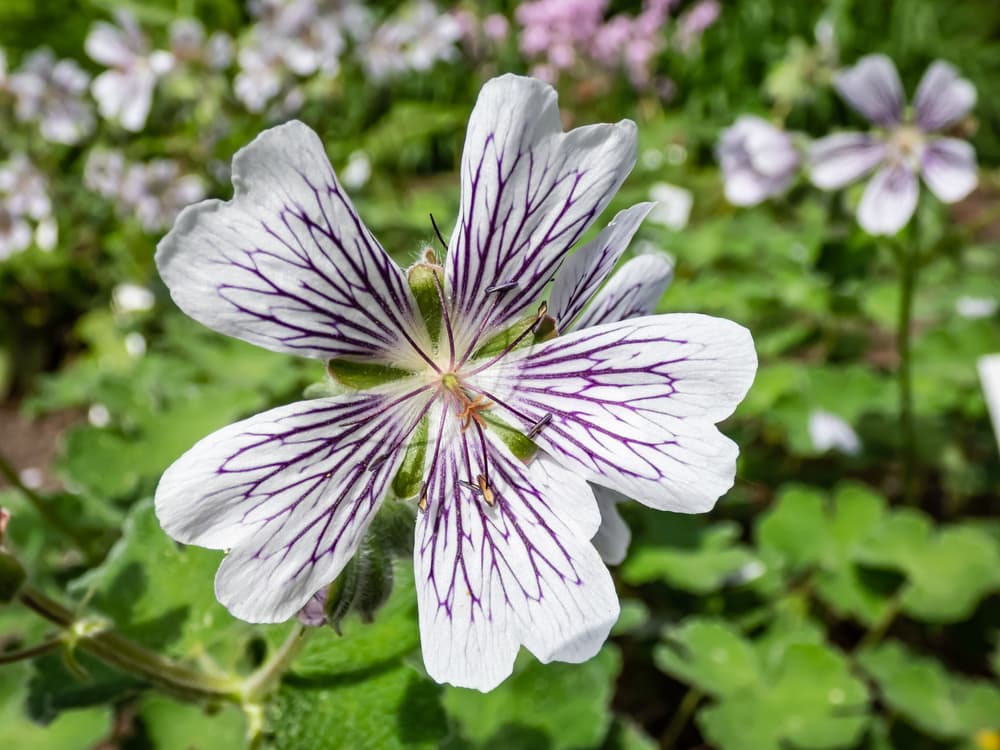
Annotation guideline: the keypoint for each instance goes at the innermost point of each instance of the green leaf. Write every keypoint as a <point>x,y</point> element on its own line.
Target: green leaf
<point>685,553</point>
<point>170,724</point>
<point>809,700</point>
<point>371,709</point>
<point>162,594</point>
<point>948,570</point>
<point>940,704</point>
<point>710,655</point>
<point>70,731</point>
<point>550,706</point>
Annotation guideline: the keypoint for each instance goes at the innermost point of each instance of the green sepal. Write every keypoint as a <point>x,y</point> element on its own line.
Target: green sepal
<point>11,576</point>
<point>544,330</point>
<point>407,481</point>
<point>366,581</point>
<point>363,375</point>
<point>426,290</point>
<point>520,444</point>
<point>327,388</point>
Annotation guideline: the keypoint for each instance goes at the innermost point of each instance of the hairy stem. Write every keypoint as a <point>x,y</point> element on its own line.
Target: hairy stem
<point>261,682</point>
<point>128,656</point>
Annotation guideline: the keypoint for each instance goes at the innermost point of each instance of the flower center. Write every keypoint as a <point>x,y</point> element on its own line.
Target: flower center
<point>906,144</point>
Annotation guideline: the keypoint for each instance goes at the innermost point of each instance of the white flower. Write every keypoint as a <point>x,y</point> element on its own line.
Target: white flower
<point>24,189</point>
<point>829,432</point>
<point>189,45</point>
<point>465,396</point>
<point>357,171</point>
<point>902,147</point>
<point>15,233</point>
<point>104,171</point>
<point>989,375</point>
<point>156,191</point>
<point>758,160</point>
<point>673,205</point>
<point>124,93</point>
<point>976,307</point>
<point>50,92</point>
<point>130,298</point>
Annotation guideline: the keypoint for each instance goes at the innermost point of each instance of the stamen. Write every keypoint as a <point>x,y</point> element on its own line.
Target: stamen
<point>438,233</point>
<point>446,316</point>
<point>422,503</point>
<point>484,488</point>
<point>539,425</point>
<point>502,287</point>
<point>543,310</point>
<point>469,485</point>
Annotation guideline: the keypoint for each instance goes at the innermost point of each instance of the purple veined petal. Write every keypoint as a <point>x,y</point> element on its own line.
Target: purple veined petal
<point>529,192</point>
<point>290,492</point>
<point>613,537</point>
<point>287,264</point>
<point>634,404</point>
<point>633,290</point>
<point>521,571</point>
<point>872,88</point>
<point>949,168</point>
<point>889,200</point>
<point>943,97</point>
<point>585,270</point>
<point>840,159</point>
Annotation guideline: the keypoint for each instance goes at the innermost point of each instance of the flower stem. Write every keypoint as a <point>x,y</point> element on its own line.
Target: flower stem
<point>908,268</point>
<point>128,656</point>
<point>42,507</point>
<point>260,683</point>
<point>680,719</point>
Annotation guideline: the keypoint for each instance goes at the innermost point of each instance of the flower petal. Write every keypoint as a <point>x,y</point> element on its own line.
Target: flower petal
<point>585,270</point>
<point>613,537</point>
<point>291,491</point>
<point>529,192</point>
<point>634,290</point>
<point>872,87</point>
<point>288,264</point>
<point>633,405</point>
<point>520,571</point>
<point>943,97</point>
<point>889,200</point>
<point>840,159</point>
<point>949,168</point>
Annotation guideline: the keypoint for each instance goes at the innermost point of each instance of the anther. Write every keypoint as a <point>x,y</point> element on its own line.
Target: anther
<point>539,425</point>
<point>469,485</point>
<point>503,287</point>
<point>422,503</point>
<point>484,488</point>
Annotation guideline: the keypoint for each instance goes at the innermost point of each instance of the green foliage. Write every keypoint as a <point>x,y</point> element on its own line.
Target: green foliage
<point>542,707</point>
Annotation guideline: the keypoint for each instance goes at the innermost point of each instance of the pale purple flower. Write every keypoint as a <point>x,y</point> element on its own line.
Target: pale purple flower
<point>294,38</point>
<point>975,308</point>
<point>124,92</point>
<point>25,208</point>
<point>189,44</point>
<point>496,27</point>
<point>574,34</point>
<point>904,144</point>
<point>693,23</point>
<point>493,440</point>
<point>758,160</point>
<point>50,92</point>
<point>15,233</point>
<point>156,191</point>
<point>414,38</point>
<point>104,171</point>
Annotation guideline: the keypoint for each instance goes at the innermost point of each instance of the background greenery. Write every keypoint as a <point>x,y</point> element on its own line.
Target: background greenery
<point>811,609</point>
